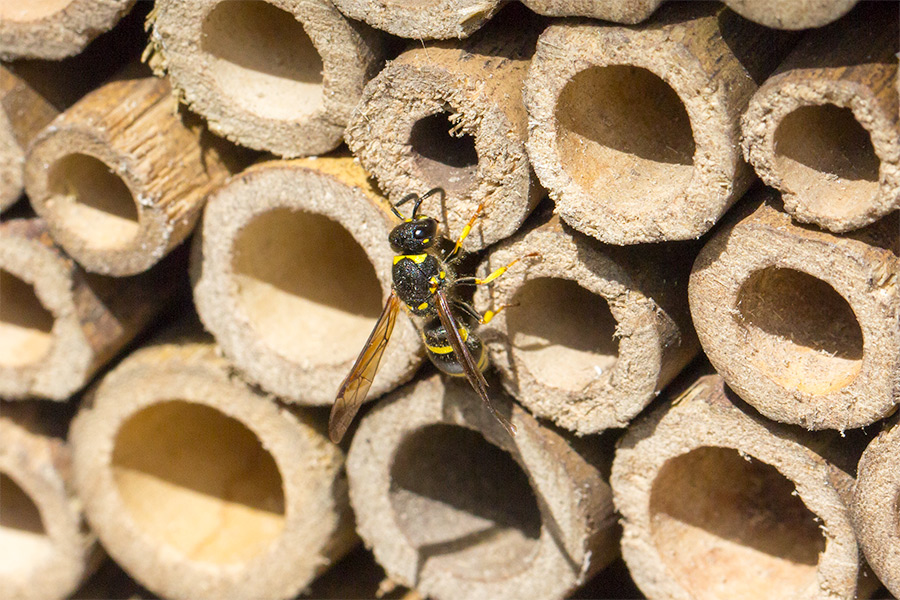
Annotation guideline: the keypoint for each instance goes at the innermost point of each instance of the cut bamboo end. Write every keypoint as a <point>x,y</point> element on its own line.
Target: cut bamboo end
<point>875,508</point>
<point>429,20</point>
<point>281,75</point>
<point>45,550</point>
<point>593,333</point>
<point>791,14</point>
<point>451,116</point>
<point>635,131</point>
<point>801,323</point>
<point>58,324</point>
<point>55,29</point>
<point>120,178</point>
<point>824,129</point>
<point>291,273</point>
<point>200,486</point>
<point>720,503</point>
<point>454,506</point>
<point>617,11</point>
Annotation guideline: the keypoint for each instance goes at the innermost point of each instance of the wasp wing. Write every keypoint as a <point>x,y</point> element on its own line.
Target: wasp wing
<point>356,386</point>
<point>470,368</point>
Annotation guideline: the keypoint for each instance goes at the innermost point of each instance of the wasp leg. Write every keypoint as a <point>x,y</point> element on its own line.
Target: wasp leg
<point>495,274</point>
<point>485,318</point>
<point>454,254</point>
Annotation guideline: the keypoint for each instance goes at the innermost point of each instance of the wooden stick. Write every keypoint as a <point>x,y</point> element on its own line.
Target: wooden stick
<point>291,272</point>
<point>825,130</point>
<point>450,115</point>
<point>202,487</point>
<point>58,324</point>
<point>801,323</point>
<point>438,19</point>
<point>634,130</point>
<point>453,505</point>
<point>594,332</point>
<point>54,29</point>
<point>721,503</point>
<point>45,548</point>
<point>281,75</point>
<point>121,178</point>
<point>791,14</point>
<point>617,11</point>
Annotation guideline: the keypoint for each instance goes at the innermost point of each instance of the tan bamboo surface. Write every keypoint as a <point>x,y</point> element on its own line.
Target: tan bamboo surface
<point>291,271</point>
<point>617,11</point>
<point>635,131</point>
<point>121,176</point>
<point>454,506</point>
<point>280,75</point>
<point>45,548</point>
<point>428,20</point>
<point>801,323</point>
<point>200,486</point>
<point>825,130</point>
<point>55,29</point>
<point>594,331</point>
<point>450,114</point>
<point>791,14</point>
<point>718,502</point>
<point>59,324</point>
<point>875,508</point>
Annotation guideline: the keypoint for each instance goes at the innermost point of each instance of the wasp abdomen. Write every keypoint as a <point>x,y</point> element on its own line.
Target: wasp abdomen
<point>440,352</point>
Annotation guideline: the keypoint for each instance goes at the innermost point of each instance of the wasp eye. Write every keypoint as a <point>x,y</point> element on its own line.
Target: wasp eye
<point>420,233</point>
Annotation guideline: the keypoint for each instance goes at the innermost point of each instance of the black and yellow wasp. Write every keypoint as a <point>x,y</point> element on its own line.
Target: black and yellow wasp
<point>423,282</point>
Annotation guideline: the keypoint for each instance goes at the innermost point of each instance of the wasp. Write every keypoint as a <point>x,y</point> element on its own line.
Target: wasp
<point>424,282</point>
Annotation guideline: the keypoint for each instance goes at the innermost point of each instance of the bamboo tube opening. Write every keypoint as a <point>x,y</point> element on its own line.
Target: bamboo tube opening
<point>199,481</point>
<point>728,525</point>
<point>622,131</point>
<point>33,10</point>
<point>25,324</point>
<point>264,60</point>
<point>464,503</point>
<point>805,334</point>
<point>23,538</point>
<point>564,334</point>
<point>95,203</point>
<point>825,154</point>
<point>303,276</point>
<point>441,156</point>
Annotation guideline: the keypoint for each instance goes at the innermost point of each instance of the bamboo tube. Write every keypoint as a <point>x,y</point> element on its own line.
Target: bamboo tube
<point>54,29</point>
<point>429,20</point>
<point>202,487</point>
<point>791,14</point>
<point>58,324</point>
<point>451,115</point>
<point>594,331</point>
<point>875,509</point>
<point>718,502</point>
<point>121,178</point>
<point>45,549</point>
<point>801,323</point>
<point>291,272</point>
<point>635,130</point>
<point>825,130</point>
<point>454,506</point>
<point>280,75</point>
<point>617,11</point>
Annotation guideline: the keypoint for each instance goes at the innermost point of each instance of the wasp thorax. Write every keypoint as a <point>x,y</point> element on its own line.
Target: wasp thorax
<point>414,235</point>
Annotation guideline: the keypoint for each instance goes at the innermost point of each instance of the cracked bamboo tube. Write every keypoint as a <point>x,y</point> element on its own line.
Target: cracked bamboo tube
<point>280,75</point>
<point>55,29</point>
<point>200,486</point>
<point>429,20</point>
<point>455,507</point>
<point>450,115</point>
<point>801,323</point>
<point>635,131</point>
<point>45,548</point>
<point>594,331</point>
<point>718,502</point>
<point>618,11</point>
<point>825,128</point>
<point>791,14</point>
<point>291,271</point>
<point>58,324</point>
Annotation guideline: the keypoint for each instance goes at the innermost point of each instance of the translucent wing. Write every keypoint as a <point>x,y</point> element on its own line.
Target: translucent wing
<point>473,374</point>
<point>356,386</point>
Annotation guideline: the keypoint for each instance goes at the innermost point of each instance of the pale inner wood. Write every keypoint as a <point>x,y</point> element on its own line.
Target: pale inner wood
<point>198,481</point>
<point>729,526</point>
<point>25,325</point>
<point>24,544</point>
<point>31,10</point>
<point>442,157</point>
<point>464,504</point>
<point>264,60</point>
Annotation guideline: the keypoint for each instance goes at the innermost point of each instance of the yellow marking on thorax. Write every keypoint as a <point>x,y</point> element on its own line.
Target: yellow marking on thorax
<point>416,258</point>
<point>422,306</point>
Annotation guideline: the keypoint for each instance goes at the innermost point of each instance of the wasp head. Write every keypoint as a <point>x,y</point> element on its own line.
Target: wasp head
<point>414,235</point>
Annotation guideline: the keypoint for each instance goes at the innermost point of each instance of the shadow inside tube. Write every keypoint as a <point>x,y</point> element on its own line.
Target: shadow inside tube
<point>17,510</point>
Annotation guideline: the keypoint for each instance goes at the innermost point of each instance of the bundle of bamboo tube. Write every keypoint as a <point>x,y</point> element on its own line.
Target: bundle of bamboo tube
<point>680,247</point>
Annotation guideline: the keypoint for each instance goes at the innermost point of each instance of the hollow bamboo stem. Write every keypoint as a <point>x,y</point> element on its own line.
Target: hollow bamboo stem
<point>617,11</point>
<point>791,14</point>
<point>434,19</point>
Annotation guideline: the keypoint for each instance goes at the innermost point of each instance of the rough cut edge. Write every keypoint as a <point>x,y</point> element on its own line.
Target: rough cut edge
<point>443,19</point>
